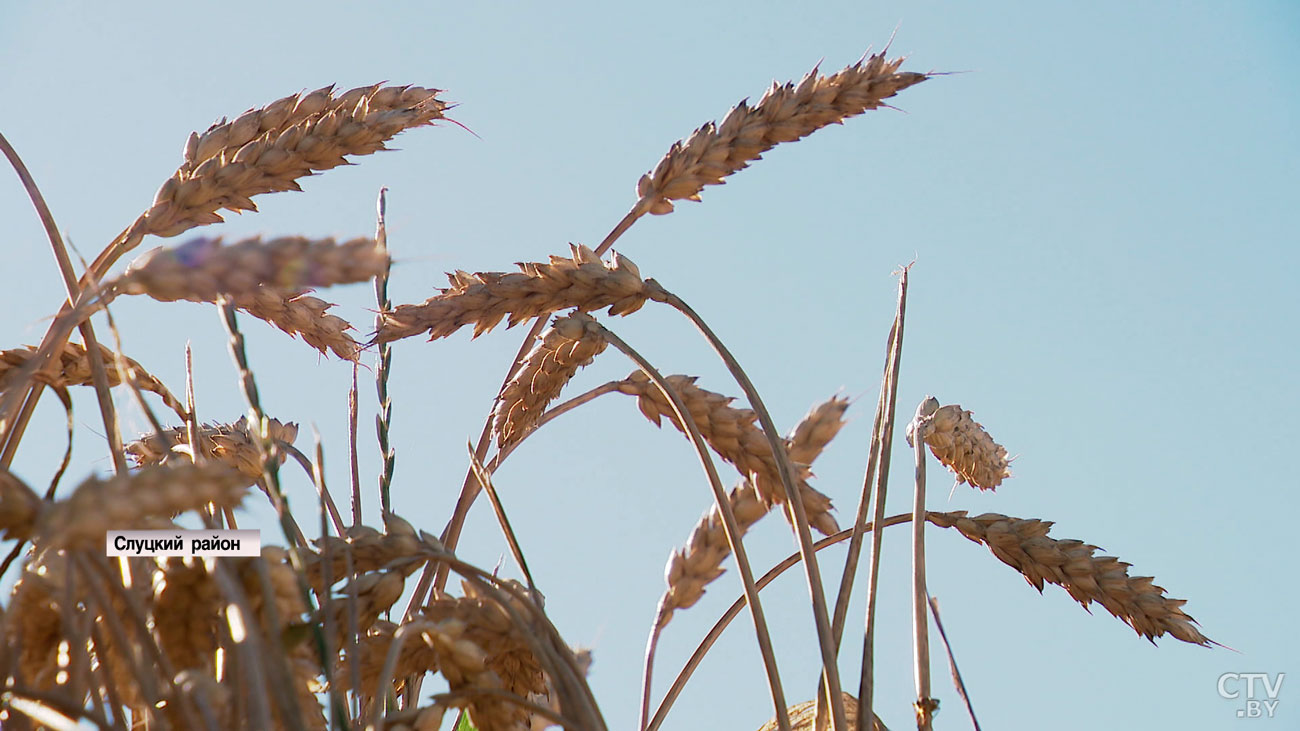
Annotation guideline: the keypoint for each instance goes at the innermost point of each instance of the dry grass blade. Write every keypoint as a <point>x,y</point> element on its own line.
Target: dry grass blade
<point>962,445</point>
<point>581,280</point>
<point>274,160</point>
<point>234,445</point>
<point>127,501</point>
<point>734,436</point>
<point>75,369</point>
<point>569,344</point>
<point>1023,545</point>
<point>204,269</point>
<point>786,113</point>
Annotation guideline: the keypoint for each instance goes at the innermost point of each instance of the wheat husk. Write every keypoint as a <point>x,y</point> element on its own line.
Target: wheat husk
<point>371,550</point>
<point>275,159</point>
<point>32,620</point>
<point>489,626</point>
<point>567,345</point>
<point>205,269</point>
<point>803,716</point>
<point>19,507</point>
<point>733,434</point>
<point>234,445</point>
<point>582,281</point>
<point>963,446</point>
<point>74,369</point>
<point>1023,544</point>
<point>787,112</point>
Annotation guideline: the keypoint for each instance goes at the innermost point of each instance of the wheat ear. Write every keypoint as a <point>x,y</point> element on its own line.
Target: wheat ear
<point>582,281</point>
<point>75,369</point>
<point>696,565</point>
<point>567,345</point>
<point>964,447</point>
<point>234,445</point>
<point>1023,544</point>
<point>787,112</point>
<point>734,436</point>
<point>121,502</point>
<point>275,159</point>
<point>297,313</point>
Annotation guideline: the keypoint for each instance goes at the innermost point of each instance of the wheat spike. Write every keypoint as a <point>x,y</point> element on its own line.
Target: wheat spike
<point>203,269</point>
<point>187,613</point>
<point>1023,545</point>
<point>32,620</point>
<point>19,507</point>
<point>582,281</point>
<point>75,370</point>
<point>127,501</point>
<point>803,716</point>
<point>734,436</point>
<point>297,313</point>
<point>490,627</point>
<point>696,565</point>
<point>567,345</point>
<point>284,113</point>
<point>232,444</point>
<point>274,160</point>
<point>962,445</point>
<point>785,113</point>
<point>371,551</point>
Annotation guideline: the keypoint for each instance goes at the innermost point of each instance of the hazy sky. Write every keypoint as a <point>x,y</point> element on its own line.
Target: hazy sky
<point>1103,214</point>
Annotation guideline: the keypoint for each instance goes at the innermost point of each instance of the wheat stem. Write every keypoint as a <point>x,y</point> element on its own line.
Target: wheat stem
<point>957,682</point>
<point>796,507</point>
<point>925,705</point>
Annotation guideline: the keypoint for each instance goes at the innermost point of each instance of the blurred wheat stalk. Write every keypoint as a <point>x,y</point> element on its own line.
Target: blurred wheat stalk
<point>308,635</point>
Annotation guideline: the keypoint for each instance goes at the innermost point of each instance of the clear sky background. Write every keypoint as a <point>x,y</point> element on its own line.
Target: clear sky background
<point>1103,214</point>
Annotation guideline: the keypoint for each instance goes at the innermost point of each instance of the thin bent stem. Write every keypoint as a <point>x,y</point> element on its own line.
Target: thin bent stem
<point>98,376</point>
<point>485,481</point>
<point>952,664</point>
<point>734,610</point>
<point>732,530</point>
<point>830,667</point>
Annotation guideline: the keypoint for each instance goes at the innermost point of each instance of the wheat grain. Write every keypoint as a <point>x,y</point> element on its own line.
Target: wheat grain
<point>734,436</point>
<point>582,281</point>
<point>235,445</point>
<point>374,593</point>
<point>74,369</point>
<point>816,429</point>
<point>127,501</point>
<point>567,345</point>
<point>962,445</point>
<point>1023,545</point>
<point>203,269</point>
<point>274,160</point>
<point>785,113</point>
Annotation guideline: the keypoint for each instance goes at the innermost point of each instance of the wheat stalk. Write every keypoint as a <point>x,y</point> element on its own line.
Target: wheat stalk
<point>787,112</point>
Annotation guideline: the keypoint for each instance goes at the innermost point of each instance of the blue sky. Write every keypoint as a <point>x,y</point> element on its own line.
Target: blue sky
<point>1102,210</point>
